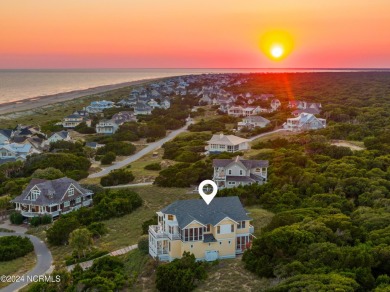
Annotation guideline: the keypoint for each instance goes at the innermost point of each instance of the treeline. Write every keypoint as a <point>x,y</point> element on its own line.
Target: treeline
<point>106,204</point>
<point>331,222</point>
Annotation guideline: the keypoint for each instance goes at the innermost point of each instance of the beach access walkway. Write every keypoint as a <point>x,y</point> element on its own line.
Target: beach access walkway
<point>151,147</point>
<point>88,264</point>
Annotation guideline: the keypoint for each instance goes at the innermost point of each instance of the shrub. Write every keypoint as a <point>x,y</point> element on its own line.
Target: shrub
<point>117,177</point>
<point>97,229</point>
<point>84,129</point>
<point>108,158</point>
<point>119,148</point>
<point>16,218</point>
<point>143,244</point>
<point>153,166</point>
<point>12,247</point>
<point>36,221</point>
<point>180,274</point>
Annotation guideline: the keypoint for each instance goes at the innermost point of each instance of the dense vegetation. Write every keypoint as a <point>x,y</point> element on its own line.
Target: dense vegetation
<point>117,177</point>
<point>180,274</point>
<point>106,274</point>
<point>331,203</point>
<point>107,204</point>
<point>12,247</point>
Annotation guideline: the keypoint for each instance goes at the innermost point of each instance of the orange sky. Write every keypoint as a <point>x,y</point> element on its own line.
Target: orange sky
<point>192,33</point>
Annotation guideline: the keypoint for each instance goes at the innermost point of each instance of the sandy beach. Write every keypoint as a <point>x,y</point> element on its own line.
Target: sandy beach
<point>40,101</point>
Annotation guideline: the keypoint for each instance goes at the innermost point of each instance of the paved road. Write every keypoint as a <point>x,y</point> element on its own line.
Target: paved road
<point>151,147</point>
<point>266,134</point>
<point>44,261</point>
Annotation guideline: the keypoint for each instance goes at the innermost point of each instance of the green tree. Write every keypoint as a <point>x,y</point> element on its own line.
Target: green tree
<point>80,240</point>
<point>49,173</point>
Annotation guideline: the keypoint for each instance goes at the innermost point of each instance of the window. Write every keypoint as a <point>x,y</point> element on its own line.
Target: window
<point>34,194</point>
<point>169,246</point>
<point>66,204</point>
<point>231,182</point>
<point>241,172</point>
<point>218,229</point>
<point>171,229</point>
<point>78,200</point>
<point>229,171</point>
<point>170,217</point>
<point>220,243</point>
<point>192,234</point>
<point>241,225</point>
<point>192,246</point>
<point>232,228</point>
<point>230,242</point>
<point>71,191</point>
<point>208,227</point>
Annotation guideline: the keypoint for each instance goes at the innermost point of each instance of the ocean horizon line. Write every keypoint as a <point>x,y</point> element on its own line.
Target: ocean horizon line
<point>200,68</point>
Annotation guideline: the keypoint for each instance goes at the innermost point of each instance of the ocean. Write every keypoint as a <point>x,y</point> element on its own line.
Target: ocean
<point>17,85</point>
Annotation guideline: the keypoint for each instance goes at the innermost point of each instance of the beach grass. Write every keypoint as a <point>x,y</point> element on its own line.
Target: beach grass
<point>17,267</point>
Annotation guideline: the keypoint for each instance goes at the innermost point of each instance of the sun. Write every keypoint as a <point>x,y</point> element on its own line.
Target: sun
<point>277,51</point>
<point>277,45</point>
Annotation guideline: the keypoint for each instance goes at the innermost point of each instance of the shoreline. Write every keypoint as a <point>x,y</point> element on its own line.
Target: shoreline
<point>44,100</point>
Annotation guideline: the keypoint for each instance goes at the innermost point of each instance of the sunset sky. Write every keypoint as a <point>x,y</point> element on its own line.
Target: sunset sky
<point>192,33</point>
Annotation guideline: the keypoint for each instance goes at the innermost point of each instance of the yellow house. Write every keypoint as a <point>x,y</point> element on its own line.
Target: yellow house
<point>216,231</point>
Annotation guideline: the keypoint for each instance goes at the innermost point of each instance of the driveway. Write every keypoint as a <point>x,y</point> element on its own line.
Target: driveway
<point>151,147</point>
<point>44,261</point>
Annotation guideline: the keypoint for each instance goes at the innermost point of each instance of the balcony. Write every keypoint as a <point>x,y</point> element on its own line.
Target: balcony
<point>157,232</point>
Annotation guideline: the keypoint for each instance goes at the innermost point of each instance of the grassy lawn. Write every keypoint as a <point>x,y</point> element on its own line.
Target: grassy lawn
<point>261,218</point>
<point>126,230</point>
<point>17,266</point>
<point>230,275</point>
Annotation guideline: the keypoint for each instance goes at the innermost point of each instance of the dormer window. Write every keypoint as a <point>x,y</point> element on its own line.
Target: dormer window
<point>71,191</point>
<point>170,217</point>
<point>34,194</point>
<point>258,169</point>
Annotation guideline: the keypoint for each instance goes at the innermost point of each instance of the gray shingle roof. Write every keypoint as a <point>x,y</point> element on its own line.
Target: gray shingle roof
<point>247,163</point>
<point>6,133</point>
<point>52,191</point>
<point>187,211</point>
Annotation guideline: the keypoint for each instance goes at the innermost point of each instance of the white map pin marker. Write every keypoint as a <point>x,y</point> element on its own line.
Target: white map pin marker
<point>208,198</point>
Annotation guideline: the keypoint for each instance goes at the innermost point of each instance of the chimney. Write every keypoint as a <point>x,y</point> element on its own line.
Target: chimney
<point>221,136</point>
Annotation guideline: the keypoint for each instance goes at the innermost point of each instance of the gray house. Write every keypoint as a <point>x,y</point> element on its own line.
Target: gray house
<point>230,173</point>
<point>52,197</point>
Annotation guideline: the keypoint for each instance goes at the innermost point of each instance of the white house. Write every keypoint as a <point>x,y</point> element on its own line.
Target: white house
<point>106,127</point>
<point>229,173</point>
<point>226,143</point>
<point>58,136</point>
<point>253,122</point>
<point>304,122</point>
<point>74,120</point>
<point>239,111</point>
